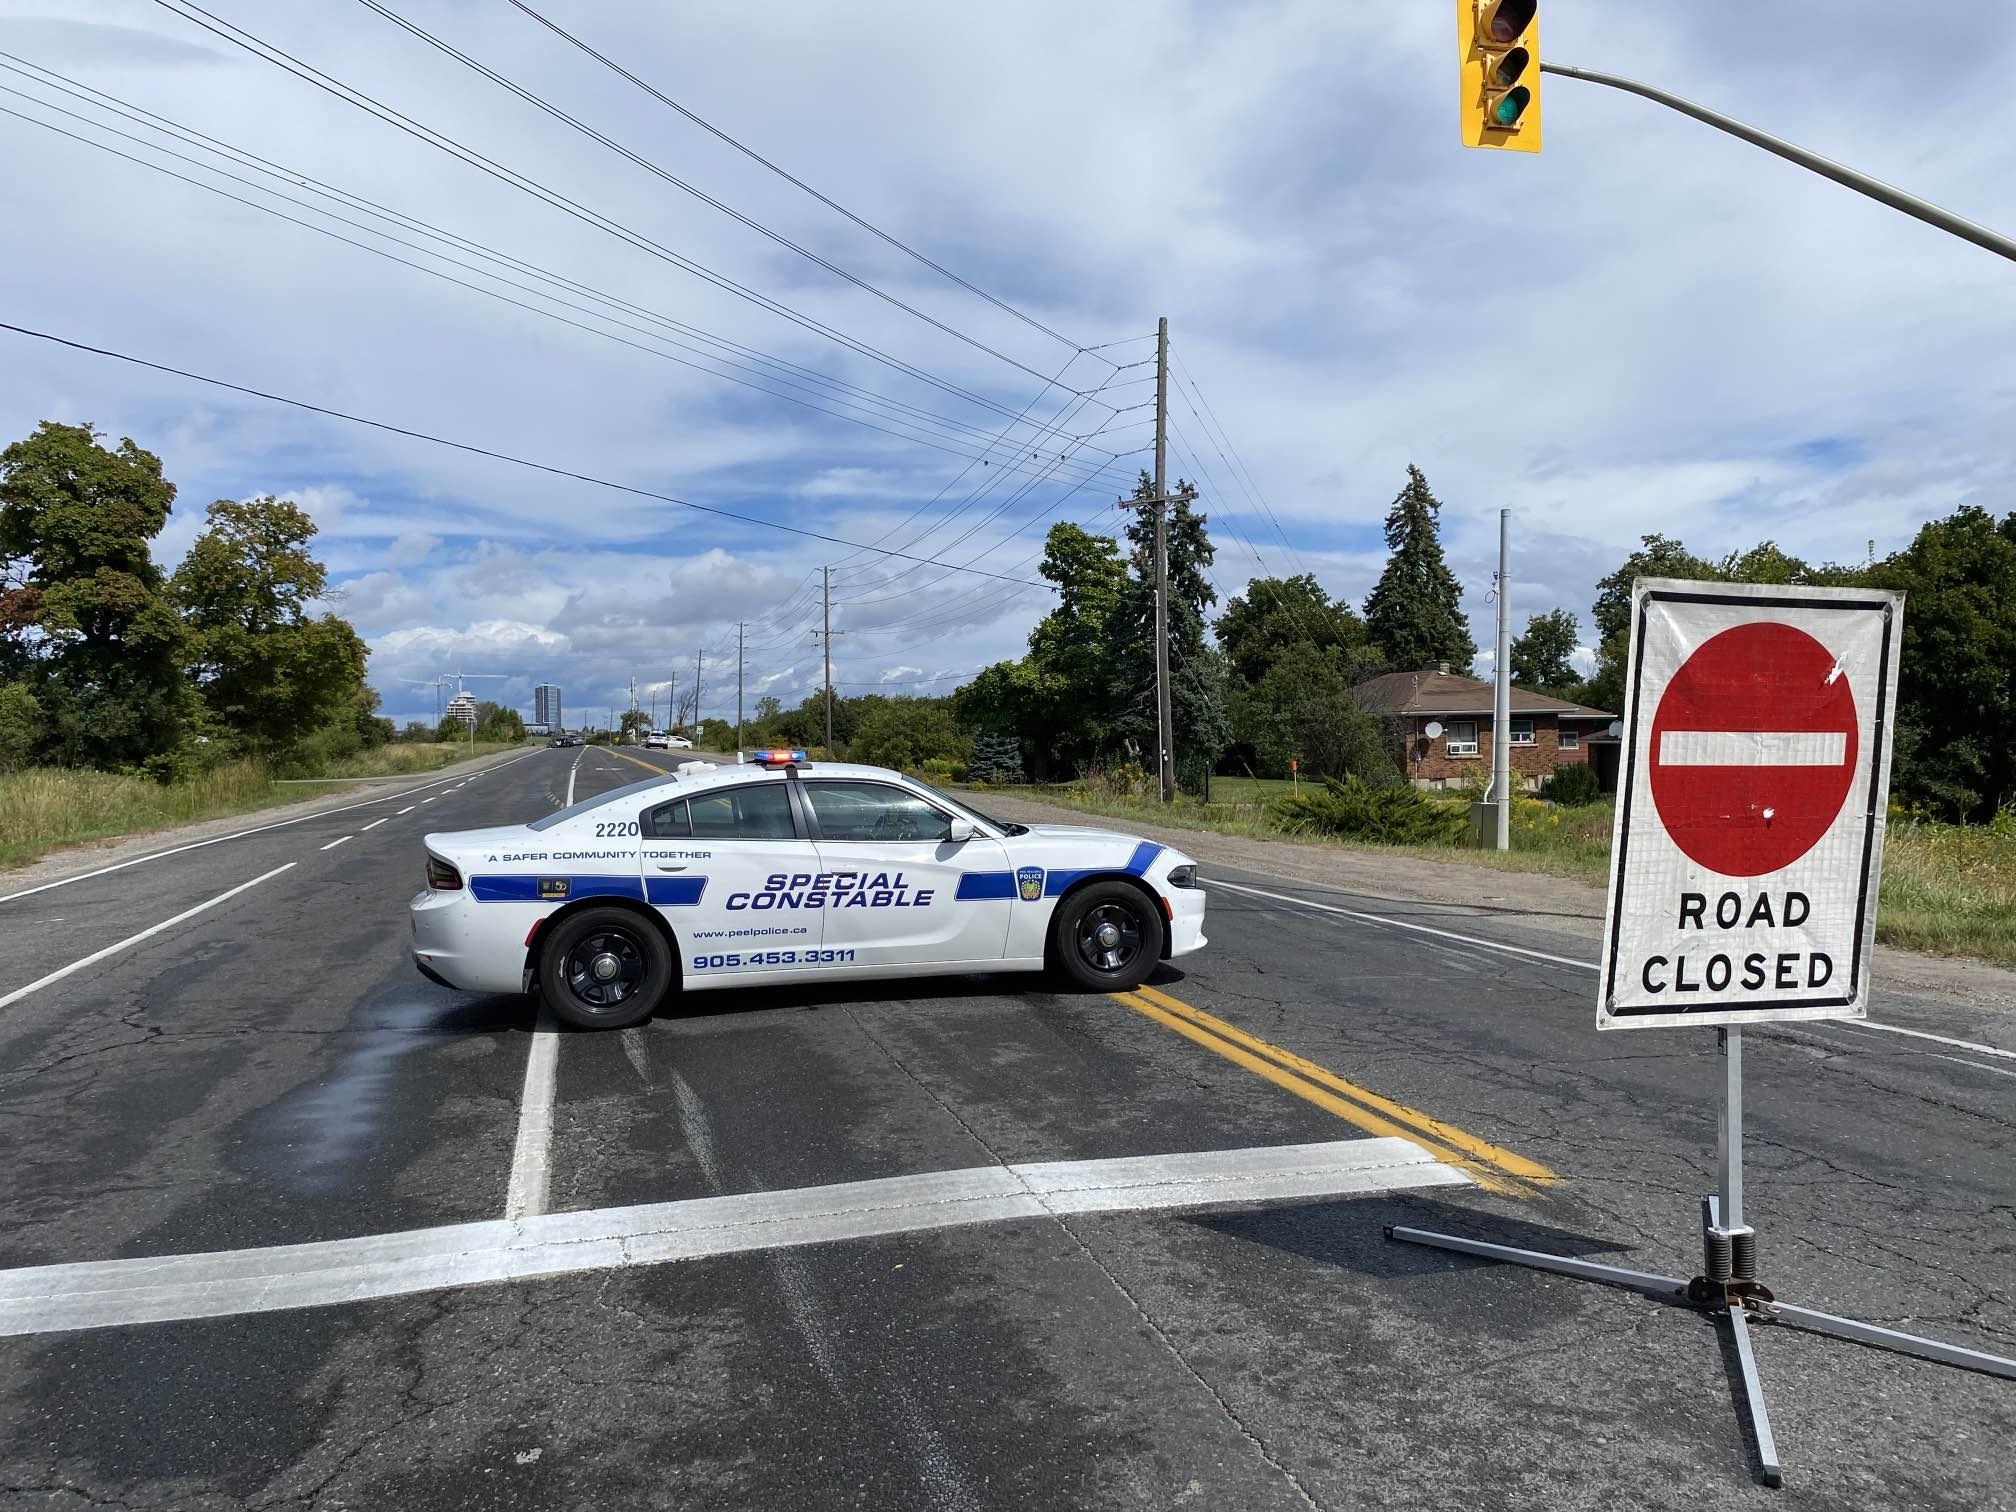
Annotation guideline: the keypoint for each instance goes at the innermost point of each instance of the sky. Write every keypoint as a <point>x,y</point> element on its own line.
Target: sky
<point>1648,326</point>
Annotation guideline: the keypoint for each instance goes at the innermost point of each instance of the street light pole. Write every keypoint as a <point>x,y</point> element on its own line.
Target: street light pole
<point>1501,690</point>
<point>1165,754</point>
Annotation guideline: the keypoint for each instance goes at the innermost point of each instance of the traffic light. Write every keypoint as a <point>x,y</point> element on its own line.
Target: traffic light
<point>1498,42</point>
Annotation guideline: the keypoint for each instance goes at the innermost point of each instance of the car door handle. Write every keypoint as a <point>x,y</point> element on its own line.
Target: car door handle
<point>671,866</point>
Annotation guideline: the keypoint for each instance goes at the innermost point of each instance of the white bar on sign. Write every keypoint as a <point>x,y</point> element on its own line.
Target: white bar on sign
<point>1752,748</point>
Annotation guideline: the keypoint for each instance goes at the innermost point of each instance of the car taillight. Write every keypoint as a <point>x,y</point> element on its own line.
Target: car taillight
<point>441,876</point>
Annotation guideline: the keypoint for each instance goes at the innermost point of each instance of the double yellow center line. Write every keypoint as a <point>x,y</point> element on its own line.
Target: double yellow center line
<point>1498,1169</point>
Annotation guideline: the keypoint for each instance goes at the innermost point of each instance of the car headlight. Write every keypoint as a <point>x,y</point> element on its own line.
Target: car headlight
<point>1183,876</point>
<point>442,877</point>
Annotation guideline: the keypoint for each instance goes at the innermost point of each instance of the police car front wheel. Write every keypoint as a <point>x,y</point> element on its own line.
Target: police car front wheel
<point>1108,937</point>
<point>604,968</point>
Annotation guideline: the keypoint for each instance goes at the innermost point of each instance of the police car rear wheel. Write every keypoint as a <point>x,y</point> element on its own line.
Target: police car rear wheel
<point>1108,937</point>
<point>605,968</point>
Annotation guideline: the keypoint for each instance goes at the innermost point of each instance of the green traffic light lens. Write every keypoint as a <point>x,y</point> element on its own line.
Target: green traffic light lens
<point>1508,110</point>
<point>1510,67</point>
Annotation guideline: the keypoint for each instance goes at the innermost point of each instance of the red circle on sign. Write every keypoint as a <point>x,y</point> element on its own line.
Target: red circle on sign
<point>1753,749</point>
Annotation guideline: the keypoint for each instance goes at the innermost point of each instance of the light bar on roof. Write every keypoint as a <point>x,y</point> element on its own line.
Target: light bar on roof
<point>779,758</point>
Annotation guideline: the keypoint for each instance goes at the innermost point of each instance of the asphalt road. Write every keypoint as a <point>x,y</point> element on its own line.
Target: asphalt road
<point>269,1070</point>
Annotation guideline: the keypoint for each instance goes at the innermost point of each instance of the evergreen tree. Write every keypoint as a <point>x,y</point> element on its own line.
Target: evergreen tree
<point>1414,613</point>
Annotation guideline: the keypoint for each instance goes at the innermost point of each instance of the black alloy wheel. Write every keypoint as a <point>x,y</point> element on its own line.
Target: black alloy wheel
<point>605,968</point>
<point>1107,937</point>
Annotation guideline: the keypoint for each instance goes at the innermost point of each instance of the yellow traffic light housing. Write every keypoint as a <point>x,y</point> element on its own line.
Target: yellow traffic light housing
<point>1498,45</point>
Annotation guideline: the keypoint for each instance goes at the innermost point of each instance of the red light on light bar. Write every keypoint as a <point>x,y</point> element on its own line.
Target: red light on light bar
<point>778,758</point>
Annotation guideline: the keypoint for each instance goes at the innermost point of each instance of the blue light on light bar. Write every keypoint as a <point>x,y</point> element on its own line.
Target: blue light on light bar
<point>778,758</point>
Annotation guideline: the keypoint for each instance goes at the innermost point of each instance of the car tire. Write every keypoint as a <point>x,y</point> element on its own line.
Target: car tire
<point>1106,937</point>
<point>605,968</point>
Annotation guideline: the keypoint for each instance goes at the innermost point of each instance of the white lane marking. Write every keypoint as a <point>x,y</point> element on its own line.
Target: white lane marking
<point>146,934</point>
<point>571,772</point>
<point>1958,1044</point>
<point>105,1293</point>
<point>426,800</point>
<point>1538,955</point>
<point>405,811</point>
<point>633,1052</point>
<point>531,1162</point>
<point>1961,1060</point>
<point>1444,934</point>
<point>334,843</point>
<point>106,871</point>
<point>1752,748</point>
<point>374,824</point>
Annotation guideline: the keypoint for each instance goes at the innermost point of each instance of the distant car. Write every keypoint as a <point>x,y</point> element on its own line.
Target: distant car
<point>657,740</point>
<point>565,740</point>
<point>783,871</point>
<point>678,743</point>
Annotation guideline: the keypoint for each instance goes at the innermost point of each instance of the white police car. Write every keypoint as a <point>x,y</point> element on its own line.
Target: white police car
<point>784,871</point>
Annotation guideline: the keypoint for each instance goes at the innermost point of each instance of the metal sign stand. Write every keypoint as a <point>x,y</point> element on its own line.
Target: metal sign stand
<point>1728,1288</point>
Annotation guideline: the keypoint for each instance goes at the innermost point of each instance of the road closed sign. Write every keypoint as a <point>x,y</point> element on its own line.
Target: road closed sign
<point>1752,790</point>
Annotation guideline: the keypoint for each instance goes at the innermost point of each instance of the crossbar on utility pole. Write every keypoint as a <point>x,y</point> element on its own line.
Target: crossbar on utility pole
<point>1165,753</point>
<point>1850,178</point>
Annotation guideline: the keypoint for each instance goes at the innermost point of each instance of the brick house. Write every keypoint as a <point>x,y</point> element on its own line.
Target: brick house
<point>1546,732</point>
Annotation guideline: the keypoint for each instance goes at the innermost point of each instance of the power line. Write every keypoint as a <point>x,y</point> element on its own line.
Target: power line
<point>484,451</point>
<point>240,38</point>
<point>540,103</point>
<point>790,178</point>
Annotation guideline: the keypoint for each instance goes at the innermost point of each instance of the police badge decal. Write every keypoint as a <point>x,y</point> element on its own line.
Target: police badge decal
<point>1029,882</point>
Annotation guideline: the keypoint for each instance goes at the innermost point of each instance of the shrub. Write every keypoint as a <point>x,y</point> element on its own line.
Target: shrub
<point>996,758</point>
<point>21,727</point>
<point>1349,806</point>
<point>1574,785</point>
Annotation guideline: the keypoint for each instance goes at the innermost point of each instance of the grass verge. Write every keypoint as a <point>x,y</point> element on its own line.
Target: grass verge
<point>1947,889</point>
<point>45,809</point>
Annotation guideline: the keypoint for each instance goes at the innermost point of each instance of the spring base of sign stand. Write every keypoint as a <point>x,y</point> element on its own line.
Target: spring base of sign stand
<point>1730,1292</point>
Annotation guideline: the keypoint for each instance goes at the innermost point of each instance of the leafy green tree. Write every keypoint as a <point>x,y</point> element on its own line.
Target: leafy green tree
<point>1068,690</point>
<point>1414,613</point>
<point>716,735</point>
<point>268,672</point>
<point>84,606</point>
<point>451,728</point>
<point>1656,556</point>
<point>1543,655</point>
<point>1196,671</point>
<point>905,733</point>
<point>415,729</point>
<point>1957,665</point>
<point>1278,617</point>
<point>20,726</point>
<point>631,726</point>
<point>495,722</point>
<point>1301,709</point>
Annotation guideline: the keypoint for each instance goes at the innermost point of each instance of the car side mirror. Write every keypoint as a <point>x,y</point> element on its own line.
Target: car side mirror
<point>960,830</point>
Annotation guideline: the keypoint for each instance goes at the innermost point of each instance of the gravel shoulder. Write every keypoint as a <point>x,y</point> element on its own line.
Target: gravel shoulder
<point>1564,905</point>
<point>115,849</point>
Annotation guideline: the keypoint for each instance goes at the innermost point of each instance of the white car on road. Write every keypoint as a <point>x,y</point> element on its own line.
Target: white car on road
<point>785,871</point>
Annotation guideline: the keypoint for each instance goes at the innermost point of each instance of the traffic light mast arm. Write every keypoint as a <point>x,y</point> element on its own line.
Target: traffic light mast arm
<point>1861,183</point>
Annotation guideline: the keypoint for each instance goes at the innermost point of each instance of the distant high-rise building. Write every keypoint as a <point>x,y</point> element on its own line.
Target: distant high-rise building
<point>546,706</point>
<point>463,707</point>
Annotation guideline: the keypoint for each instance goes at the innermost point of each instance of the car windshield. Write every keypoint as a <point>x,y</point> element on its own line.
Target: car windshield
<point>587,805</point>
<point>1006,826</point>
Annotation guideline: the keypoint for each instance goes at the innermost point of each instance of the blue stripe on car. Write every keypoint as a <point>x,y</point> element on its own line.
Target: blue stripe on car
<point>977,886</point>
<point>675,892</point>
<point>672,892</point>
<point>1059,882</point>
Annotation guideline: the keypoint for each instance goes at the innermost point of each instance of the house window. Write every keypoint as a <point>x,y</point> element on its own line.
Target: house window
<point>1522,731</point>
<point>1461,737</point>
<point>1570,740</point>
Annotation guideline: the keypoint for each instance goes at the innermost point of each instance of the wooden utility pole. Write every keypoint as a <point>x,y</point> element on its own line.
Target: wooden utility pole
<point>1165,752</point>
<point>826,645</point>
<point>738,690</point>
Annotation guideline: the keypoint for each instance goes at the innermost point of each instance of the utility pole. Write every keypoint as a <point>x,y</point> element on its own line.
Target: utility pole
<point>1501,692</point>
<point>1165,754</point>
<point>699,658</point>
<point>738,690</point>
<point>826,634</point>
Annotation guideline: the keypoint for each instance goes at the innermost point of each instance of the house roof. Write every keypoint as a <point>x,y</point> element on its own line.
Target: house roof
<point>1433,691</point>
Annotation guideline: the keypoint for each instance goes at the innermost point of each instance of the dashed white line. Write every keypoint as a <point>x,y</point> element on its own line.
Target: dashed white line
<point>146,934</point>
<point>107,1293</point>
<point>426,800</point>
<point>375,823</point>
<point>334,843</point>
<point>531,1167</point>
<point>1958,1044</point>
<point>405,811</point>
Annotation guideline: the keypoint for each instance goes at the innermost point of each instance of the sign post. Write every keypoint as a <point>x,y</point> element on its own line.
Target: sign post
<point>1744,863</point>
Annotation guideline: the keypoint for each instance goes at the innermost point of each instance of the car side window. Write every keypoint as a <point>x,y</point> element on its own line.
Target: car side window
<point>668,821</point>
<point>874,811</point>
<point>761,811</point>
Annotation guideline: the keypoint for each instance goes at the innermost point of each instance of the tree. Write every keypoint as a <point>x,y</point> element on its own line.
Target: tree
<point>81,600</point>
<point>1277,617</point>
<point>1656,556</point>
<point>716,735</point>
<point>995,758</point>
<point>20,726</point>
<point>1414,613</point>
<point>495,722</point>
<point>1301,709</point>
<point>905,733</point>
<point>1543,656</point>
<point>1957,665</point>
<point>1067,692</point>
<point>631,726</point>
<point>1196,671</point>
<point>267,671</point>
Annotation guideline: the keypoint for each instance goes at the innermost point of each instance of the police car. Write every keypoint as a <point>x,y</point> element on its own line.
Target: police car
<point>780,871</point>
